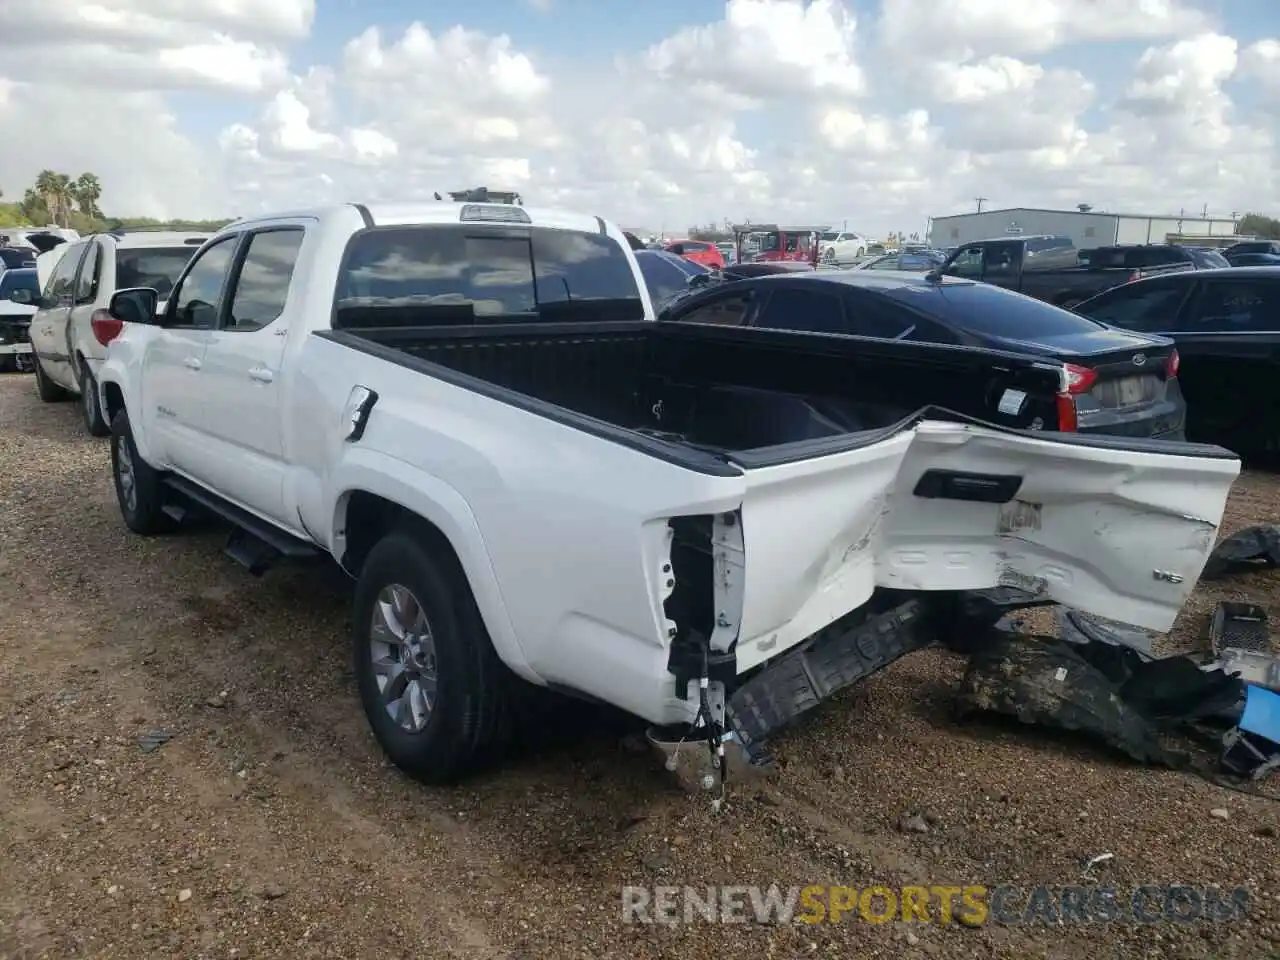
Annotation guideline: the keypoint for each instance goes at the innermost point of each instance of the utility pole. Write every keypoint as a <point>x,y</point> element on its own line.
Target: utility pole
<point>980,201</point>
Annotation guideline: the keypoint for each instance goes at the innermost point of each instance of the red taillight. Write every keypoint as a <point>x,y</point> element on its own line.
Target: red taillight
<point>1079,380</point>
<point>105,327</point>
<point>1171,369</point>
<point>1134,275</point>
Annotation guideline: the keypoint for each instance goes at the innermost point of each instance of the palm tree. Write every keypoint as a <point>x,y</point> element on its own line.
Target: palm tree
<point>46,189</point>
<point>85,191</point>
<point>63,196</point>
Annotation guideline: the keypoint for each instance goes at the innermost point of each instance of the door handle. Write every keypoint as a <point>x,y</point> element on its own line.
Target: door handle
<point>261,374</point>
<point>192,363</point>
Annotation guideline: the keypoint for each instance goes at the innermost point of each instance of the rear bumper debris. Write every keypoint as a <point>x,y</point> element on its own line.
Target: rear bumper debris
<point>834,659</point>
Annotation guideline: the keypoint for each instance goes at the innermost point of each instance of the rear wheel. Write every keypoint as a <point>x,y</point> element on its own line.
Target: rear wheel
<point>138,485</point>
<point>90,408</point>
<point>432,686</point>
<point>46,389</point>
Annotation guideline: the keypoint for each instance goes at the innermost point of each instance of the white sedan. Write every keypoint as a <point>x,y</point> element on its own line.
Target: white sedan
<point>841,247</point>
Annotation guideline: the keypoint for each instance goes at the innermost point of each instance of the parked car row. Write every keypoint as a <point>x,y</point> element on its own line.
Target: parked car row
<point>535,477</point>
<point>71,328</point>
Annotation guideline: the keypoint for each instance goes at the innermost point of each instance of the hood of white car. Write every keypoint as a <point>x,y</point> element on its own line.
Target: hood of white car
<point>9,309</point>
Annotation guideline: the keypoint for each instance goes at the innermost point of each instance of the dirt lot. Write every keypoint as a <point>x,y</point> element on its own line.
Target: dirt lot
<point>269,825</point>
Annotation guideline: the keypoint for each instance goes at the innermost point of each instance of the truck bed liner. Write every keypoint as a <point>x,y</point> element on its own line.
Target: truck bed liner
<point>768,396</point>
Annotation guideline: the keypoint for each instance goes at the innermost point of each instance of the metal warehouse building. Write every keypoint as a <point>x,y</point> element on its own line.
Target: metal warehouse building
<point>1089,228</point>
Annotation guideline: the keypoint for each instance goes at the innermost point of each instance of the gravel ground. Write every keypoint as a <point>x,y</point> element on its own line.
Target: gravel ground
<point>269,825</point>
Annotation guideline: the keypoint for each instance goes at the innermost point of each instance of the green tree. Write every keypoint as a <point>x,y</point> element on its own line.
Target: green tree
<point>33,207</point>
<point>1259,225</point>
<point>86,191</point>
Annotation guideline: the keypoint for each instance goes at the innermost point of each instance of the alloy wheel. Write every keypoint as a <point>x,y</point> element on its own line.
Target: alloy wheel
<point>403,652</point>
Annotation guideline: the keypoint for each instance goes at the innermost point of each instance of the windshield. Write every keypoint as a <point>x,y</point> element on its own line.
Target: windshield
<point>17,257</point>
<point>993,311</point>
<point>690,267</point>
<point>155,267</point>
<point>664,275</point>
<point>830,236</point>
<point>1257,246</point>
<point>1209,259</point>
<point>12,280</point>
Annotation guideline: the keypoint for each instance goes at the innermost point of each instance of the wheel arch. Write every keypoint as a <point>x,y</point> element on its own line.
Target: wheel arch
<point>377,500</point>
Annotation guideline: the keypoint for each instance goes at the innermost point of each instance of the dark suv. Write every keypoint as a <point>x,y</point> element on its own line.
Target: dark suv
<point>1143,256</point>
<point>1253,246</point>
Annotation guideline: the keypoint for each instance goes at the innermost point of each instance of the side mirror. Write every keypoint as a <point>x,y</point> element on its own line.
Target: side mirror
<point>22,296</point>
<point>135,305</point>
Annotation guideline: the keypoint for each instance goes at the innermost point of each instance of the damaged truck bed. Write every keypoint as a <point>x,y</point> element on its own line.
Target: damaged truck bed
<point>786,480</point>
<point>687,521</point>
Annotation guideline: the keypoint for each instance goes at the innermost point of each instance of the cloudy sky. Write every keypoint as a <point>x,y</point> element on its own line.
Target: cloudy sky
<point>657,113</point>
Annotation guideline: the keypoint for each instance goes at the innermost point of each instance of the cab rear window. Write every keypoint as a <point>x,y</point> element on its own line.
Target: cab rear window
<point>451,275</point>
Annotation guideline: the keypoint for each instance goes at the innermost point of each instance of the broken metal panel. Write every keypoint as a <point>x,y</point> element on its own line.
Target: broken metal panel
<point>1077,627</point>
<point>729,560</point>
<point>1239,626</point>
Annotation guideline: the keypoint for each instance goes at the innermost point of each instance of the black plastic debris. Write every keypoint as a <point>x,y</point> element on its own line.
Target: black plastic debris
<point>1103,690</point>
<point>152,740</point>
<point>1253,548</point>
<point>1045,681</point>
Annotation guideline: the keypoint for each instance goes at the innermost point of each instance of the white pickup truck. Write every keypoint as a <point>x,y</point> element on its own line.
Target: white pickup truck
<point>472,409</point>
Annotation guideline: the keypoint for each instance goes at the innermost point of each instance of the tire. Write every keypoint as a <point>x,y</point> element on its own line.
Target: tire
<point>468,722</point>
<point>47,391</point>
<point>143,512</point>
<point>90,407</point>
<point>829,255</point>
<point>8,363</point>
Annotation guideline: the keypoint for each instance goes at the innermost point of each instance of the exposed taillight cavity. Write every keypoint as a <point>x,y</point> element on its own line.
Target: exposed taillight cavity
<point>1171,368</point>
<point>1076,381</point>
<point>105,327</point>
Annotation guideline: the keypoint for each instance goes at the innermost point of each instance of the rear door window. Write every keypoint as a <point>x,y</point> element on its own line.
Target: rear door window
<point>799,308</point>
<point>885,263</point>
<point>1249,305</point>
<point>90,271</point>
<point>262,285</point>
<point>873,316</point>
<point>726,311</point>
<point>1148,306</point>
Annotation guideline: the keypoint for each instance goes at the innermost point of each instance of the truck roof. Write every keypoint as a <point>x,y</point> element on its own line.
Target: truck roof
<point>434,212</point>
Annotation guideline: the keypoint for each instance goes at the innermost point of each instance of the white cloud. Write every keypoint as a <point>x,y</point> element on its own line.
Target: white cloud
<point>766,50</point>
<point>924,29</point>
<point>769,109</point>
